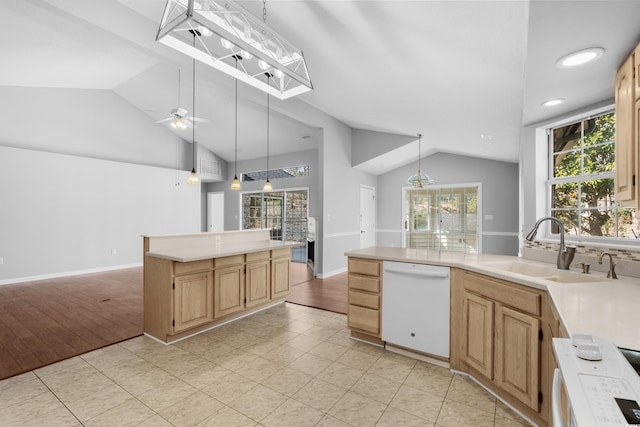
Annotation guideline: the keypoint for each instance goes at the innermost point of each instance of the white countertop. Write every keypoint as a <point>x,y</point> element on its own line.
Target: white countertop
<point>605,308</point>
<point>199,253</point>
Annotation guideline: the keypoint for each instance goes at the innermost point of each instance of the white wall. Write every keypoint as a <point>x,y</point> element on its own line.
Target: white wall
<point>63,214</point>
<point>499,197</point>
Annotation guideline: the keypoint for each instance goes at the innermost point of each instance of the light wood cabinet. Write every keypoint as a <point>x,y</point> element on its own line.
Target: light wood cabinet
<point>626,134</point>
<point>478,333</point>
<point>228,285</point>
<point>517,354</point>
<point>497,336</point>
<point>184,298</point>
<point>280,272</point>
<point>257,278</point>
<point>192,300</point>
<point>363,298</point>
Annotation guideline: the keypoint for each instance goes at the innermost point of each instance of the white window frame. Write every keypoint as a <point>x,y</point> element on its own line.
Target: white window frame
<point>543,197</point>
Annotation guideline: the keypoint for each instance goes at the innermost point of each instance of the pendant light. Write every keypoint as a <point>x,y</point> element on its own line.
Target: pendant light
<point>235,185</point>
<point>267,185</point>
<point>193,176</point>
<point>419,180</point>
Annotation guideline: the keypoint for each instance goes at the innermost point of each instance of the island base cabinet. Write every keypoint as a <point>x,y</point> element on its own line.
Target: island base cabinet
<point>229,290</point>
<point>280,277</point>
<point>193,301</point>
<point>257,276</point>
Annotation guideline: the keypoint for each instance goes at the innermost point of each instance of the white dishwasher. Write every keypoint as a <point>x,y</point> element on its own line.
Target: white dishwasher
<point>415,306</point>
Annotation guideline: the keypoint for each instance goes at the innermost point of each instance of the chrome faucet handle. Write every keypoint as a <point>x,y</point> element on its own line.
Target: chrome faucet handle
<point>585,267</point>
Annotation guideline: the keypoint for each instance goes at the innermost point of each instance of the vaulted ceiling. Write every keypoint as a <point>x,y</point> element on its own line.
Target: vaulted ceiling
<point>466,74</point>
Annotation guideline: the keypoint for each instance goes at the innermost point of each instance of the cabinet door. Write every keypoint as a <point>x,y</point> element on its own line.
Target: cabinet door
<point>477,346</point>
<point>517,355</point>
<point>192,300</point>
<point>280,277</point>
<point>229,290</point>
<point>625,133</point>
<point>257,282</point>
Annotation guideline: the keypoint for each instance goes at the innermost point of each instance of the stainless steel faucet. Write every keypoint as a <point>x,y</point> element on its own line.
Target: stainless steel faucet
<point>565,252</point>
<point>612,265</point>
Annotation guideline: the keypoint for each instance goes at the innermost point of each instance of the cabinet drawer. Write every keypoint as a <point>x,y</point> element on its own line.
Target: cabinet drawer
<point>366,267</point>
<point>258,256</point>
<point>364,283</point>
<point>281,253</point>
<point>228,260</point>
<point>364,319</point>
<point>503,292</point>
<point>364,300</point>
<point>190,267</point>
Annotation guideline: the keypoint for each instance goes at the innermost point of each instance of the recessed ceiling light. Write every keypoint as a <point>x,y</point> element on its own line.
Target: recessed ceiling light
<point>552,102</point>
<point>580,57</point>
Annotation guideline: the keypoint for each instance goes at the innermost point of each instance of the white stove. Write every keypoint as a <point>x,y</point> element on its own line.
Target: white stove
<point>603,389</point>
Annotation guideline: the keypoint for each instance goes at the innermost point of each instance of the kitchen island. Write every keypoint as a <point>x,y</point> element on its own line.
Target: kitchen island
<point>504,312</point>
<point>193,282</point>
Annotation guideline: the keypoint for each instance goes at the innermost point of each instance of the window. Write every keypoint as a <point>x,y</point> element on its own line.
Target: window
<point>279,173</point>
<point>442,218</point>
<point>581,184</point>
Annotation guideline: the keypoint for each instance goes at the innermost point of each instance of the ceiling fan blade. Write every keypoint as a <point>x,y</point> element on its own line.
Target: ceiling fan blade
<point>197,119</point>
<point>164,120</point>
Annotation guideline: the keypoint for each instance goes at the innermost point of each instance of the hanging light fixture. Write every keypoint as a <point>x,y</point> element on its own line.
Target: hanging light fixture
<point>419,180</point>
<point>193,176</point>
<point>225,29</point>
<point>267,185</point>
<point>235,185</point>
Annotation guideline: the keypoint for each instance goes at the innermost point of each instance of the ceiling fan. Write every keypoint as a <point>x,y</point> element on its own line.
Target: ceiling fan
<point>179,119</point>
<point>178,116</point>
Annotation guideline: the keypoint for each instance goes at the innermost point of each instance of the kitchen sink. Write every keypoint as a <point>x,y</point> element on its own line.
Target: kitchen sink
<point>543,272</point>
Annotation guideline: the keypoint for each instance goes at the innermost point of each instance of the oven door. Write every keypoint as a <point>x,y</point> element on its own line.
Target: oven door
<point>561,412</point>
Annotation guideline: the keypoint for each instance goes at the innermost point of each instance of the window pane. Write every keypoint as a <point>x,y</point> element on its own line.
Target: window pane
<point>599,130</point>
<point>564,195</point>
<point>597,193</point>
<point>569,219</point>
<point>567,164</point>
<point>567,137</point>
<point>600,158</point>
<point>597,222</point>
<point>627,225</point>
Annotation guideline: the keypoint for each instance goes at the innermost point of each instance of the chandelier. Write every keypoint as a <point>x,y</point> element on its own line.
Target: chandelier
<point>226,30</point>
<point>419,179</point>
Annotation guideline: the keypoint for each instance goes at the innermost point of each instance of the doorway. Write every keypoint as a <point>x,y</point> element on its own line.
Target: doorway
<point>215,212</point>
<point>367,216</point>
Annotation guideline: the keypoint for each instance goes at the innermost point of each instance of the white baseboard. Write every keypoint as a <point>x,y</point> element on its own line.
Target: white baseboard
<point>68,273</point>
<point>331,273</point>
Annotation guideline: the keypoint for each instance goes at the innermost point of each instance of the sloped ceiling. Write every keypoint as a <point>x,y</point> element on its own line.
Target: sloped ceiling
<point>451,70</point>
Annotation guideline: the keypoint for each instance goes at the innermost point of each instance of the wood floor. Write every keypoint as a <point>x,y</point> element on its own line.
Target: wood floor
<point>45,321</point>
<point>327,294</point>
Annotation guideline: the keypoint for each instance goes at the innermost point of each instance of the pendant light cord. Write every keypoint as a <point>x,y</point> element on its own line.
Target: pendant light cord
<point>236,125</point>
<point>193,112</point>
<point>268,108</point>
<point>420,152</point>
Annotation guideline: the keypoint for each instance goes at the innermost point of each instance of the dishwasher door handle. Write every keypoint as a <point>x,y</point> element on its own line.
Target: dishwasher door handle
<point>436,274</point>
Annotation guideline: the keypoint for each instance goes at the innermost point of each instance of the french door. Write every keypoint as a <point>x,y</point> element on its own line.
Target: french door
<point>444,218</point>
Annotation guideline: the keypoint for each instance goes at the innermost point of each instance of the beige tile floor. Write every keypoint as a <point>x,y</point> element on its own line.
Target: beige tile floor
<point>286,366</point>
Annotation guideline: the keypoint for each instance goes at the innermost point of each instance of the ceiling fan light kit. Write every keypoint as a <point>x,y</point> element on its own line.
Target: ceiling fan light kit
<point>225,29</point>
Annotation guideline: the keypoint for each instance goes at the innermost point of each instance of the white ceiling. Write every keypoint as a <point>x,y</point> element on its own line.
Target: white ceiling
<point>451,70</point>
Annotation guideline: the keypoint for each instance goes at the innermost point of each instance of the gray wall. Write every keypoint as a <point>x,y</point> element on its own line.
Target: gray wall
<point>499,197</point>
<point>232,209</point>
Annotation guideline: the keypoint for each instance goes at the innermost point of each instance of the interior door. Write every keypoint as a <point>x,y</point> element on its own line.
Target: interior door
<point>215,212</point>
<point>367,216</point>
